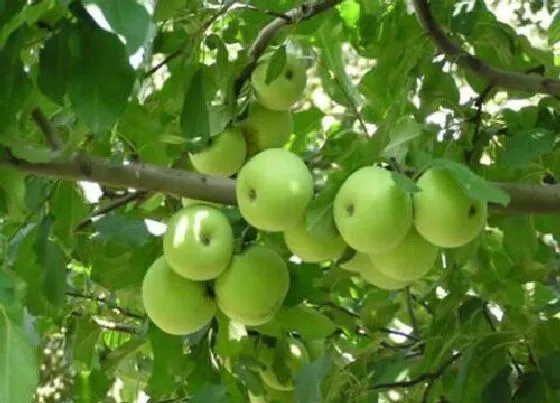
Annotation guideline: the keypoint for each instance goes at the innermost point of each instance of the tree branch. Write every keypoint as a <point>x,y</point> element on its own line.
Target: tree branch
<point>525,197</point>
<point>410,310</point>
<point>494,77</point>
<point>103,300</point>
<point>300,13</point>
<point>428,376</point>
<point>48,129</point>
<point>115,204</point>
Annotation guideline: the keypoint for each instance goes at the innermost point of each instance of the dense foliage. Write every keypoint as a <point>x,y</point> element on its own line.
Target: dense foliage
<point>91,88</point>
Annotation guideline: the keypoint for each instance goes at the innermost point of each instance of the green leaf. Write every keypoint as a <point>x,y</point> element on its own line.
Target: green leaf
<point>527,145</point>
<point>119,356</point>
<point>319,218</point>
<point>15,85</point>
<point>90,387</point>
<point>211,393</point>
<point>69,208</point>
<point>405,129</point>
<point>309,378</point>
<point>478,188</point>
<point>98,87</point>
<point>349,11</point>
<point>407,184</point>
<point>328,38</point>
<point>126,17</point>
<point>276,64</point>
<point>51,257</point>
<point>499,388</point>
<point>19,367</point>
<point>54,68</point>
<point>13,184</point>
<point>131,232</point>
<point>195,116</point>
<point>520,238</point>
<point>550,366</point>
<point>85,341</point>
<point>168,359</point>
<point>532,388</point>
<point>554,30</point>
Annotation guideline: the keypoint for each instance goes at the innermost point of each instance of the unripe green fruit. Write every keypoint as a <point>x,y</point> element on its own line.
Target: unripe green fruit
<point>362,263</point>
<point>198,243</point>
<point>313,247</point>
<point>253,287</point>
<point>224,157</point>
<point>285,90</point>
<point>444,214</point>
<point>409,260</point>
<point>372,213</point>
<point>273,190</point>
<point>175,304</point>
<point>265,128</point>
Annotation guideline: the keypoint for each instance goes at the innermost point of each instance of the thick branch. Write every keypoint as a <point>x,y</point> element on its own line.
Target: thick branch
<point>524,197</point>
<point>494,77</point>
<point>300,13</point>
<point>135,175</point>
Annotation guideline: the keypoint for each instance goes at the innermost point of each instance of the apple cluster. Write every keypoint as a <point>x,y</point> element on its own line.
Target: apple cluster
<point>199,272</point>
<point>396,235</point>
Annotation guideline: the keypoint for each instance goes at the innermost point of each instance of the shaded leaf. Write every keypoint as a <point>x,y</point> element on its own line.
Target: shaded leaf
<point>54,68</point>
<point>276,64</point>
<point>122,229</point>
<point>195,115</point>
<point>126,17</point>
<point>98,87</point>
<point>550,366</point>
<point>477,187</point>
<point>19,367</point>
<point>309,378</point>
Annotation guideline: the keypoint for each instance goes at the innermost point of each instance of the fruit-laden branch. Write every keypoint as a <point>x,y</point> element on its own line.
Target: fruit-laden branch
<point>494,77</point>
<point>152,178</point>
<point>300,13</point>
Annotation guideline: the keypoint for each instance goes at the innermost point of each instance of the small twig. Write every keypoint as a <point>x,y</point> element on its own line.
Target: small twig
<point>173,55</point>
<point>48,129</point>
<point>117,327</point>
<point>428,376</point>
<point>399,333</point>
<point>103,300</point>
<point>495,77</point>
<point>267,12</point>
<point>266,35</point>
<point>115,204</point>
<point>410,308</point>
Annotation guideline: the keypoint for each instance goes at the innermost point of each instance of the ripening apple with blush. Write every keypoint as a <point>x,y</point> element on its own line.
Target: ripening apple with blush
<point>372,213</point>
<point>444,214</point>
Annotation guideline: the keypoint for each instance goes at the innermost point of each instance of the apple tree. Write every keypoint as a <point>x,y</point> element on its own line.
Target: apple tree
<point>279,201</point>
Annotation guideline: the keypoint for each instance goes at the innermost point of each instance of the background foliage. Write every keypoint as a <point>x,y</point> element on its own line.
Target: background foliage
<point>150,81</point>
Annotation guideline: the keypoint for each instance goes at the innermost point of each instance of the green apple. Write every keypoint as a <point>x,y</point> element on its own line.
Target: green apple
<point>372,213</point>
<point>286,89</point>
<point>409,260</point>
<point>362,263</point>
<point>225,155</point>
<point>173,303</point>
<point>265,128</point>
<point>273,190</point>
<point>252,289</point>
<point>444,214</point>
<point>316,246</point>
<point>294,358</point>
<point>198,243</point>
